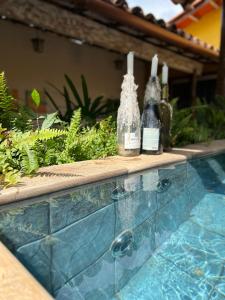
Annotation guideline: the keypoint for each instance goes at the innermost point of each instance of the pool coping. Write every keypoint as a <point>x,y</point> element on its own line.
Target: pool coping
<point>61,177</point>
<point>16,283</point>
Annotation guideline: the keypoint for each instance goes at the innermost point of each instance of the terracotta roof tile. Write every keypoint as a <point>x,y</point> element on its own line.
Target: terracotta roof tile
<point>138,11</point>
<point>151,18</point>
<point>121,4</point>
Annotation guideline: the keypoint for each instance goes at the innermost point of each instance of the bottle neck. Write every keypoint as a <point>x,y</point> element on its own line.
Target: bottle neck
<point>154,91</point>
<point>165,92</point>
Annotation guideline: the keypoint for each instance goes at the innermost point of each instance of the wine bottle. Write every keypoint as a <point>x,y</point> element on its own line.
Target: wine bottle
<point>128,118</point>
<point>166,111</point>
<point>151,124</point>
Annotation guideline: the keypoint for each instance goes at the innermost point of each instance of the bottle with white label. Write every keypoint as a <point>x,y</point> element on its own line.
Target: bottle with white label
<point>128,118</point>
<point>151,124</point>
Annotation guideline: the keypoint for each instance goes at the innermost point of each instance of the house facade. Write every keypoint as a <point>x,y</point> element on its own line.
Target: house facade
<point>92,38</point>
<point>202,19</point>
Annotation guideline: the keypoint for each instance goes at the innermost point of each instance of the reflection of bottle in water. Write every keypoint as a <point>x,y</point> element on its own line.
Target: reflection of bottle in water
<point>132,183</point>
<point>150,180</point>
<point>127,205</point>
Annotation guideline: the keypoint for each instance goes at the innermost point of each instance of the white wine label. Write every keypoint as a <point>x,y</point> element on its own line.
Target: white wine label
<point>150,139</point>
<point>131,141</point>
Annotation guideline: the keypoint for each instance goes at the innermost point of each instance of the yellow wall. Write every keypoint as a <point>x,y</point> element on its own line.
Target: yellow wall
<point>207,28</point>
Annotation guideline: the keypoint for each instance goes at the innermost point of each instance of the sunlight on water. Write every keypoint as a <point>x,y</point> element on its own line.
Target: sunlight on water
<point>190,264</point>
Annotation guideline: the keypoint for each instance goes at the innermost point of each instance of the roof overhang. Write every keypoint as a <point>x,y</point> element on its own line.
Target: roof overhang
<point>196,11</point>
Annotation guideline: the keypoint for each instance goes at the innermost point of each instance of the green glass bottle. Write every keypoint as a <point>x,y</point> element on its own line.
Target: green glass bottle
<point>166,118</point>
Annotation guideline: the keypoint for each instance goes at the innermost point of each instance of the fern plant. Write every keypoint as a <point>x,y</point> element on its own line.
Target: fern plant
<point>7,104</point>
<point>18,152</point>
<point>85,143</point>
<point>80,143</point>
<point>72,137</point>
<point>18,149</point>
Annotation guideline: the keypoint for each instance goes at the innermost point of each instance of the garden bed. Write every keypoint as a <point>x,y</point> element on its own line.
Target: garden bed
<point>57,178</point>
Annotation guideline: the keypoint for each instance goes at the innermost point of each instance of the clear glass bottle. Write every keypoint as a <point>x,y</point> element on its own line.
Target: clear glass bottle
<point>128,119</point>
<point>166,118</point>
<point>151,123</point>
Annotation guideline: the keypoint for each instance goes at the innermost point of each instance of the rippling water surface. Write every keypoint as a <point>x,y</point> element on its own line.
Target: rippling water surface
<point>190,265</point>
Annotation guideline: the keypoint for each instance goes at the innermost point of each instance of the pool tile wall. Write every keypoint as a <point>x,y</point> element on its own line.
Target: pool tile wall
<point>65,241</point>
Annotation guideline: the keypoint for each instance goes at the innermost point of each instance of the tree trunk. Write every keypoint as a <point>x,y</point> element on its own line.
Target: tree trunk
<point>220,85</point>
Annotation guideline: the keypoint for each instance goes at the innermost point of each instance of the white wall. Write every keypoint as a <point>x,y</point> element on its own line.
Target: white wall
<point>26,69</point>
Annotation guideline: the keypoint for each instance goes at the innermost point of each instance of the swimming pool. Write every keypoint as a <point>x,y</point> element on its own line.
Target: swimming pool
<point>153,235</point>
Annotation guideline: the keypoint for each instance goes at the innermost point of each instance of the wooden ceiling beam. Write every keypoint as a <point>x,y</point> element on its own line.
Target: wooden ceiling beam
<point>55,19</point>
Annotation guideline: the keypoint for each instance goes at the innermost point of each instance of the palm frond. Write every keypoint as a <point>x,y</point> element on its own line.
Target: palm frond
<point>74,90</point>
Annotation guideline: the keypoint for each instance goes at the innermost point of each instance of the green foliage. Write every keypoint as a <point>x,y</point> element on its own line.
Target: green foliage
<point>18,139</point>
<point>23,148</point>
<point>91,109</point>
<point>20,117</point>
<point>81,143</point>
<point>93,142</point>
<point>7,104</point>
<point>36,97</point>
<point>18,152</point>
<point>201,123</point>
<point>49,120</point>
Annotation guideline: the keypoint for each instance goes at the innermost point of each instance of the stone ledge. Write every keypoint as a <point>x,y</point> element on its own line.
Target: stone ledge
<point>16,283</point>
<point>56,178</point>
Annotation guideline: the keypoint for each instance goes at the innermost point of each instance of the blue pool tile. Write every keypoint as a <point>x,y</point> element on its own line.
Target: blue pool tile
<point>134,209</point>
<point>159,279</point>
<point>177,189</point>
<point>36,258</point>
<point>195,181</point>
<point>174,171</point>
<point>171,216</point>
<point>73,206</point>
<point>210,213</point>
<point>97,282</point>
<point>23,224</point>
<point>196,251</point>
<point>143,247</point>
<point>80,244</point>
<point>176,177</point>
<point>217,164</point>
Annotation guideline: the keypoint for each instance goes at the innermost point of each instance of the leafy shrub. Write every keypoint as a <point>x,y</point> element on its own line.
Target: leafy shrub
<point>25,147</point>
<point>18,138</point>
<point>81,143</point>
<point>91,109</point>
<point>201,123</point>
<point>18,155</point>
<point>13,115</point>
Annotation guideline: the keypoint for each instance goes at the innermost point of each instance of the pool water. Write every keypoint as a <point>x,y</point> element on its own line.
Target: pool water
<point>154,235</point>
<point>190,264</point>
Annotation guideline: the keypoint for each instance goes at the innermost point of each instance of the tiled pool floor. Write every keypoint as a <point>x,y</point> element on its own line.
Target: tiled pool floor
<point>190,265</point>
